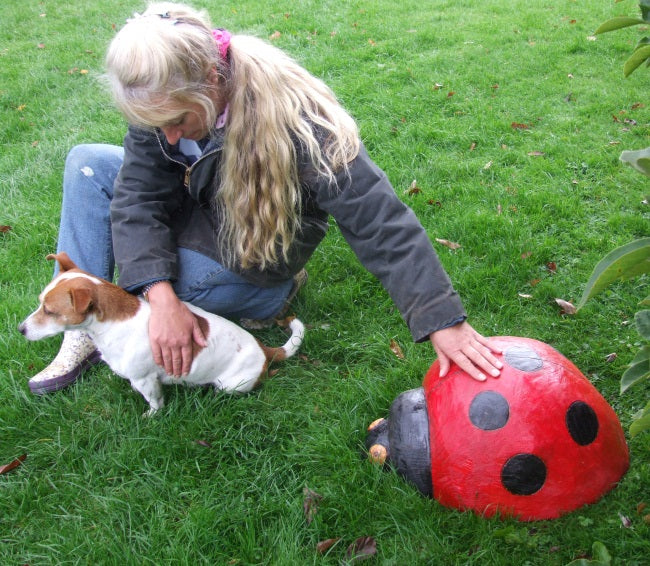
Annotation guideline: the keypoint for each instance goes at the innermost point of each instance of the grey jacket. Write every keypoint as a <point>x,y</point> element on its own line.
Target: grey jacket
<point>161,202</point>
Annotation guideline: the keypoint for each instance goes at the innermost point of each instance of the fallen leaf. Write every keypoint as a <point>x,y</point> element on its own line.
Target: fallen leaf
<point>535,153</point>
<point>499,209</point>
<point>526,255</point>
<point>450,245</point>
<point>323,546</point>
<point>361,549</point>
<point>450,94</point>
<point>640,508</point>
<point>627,523</point>
<point>525,296</point>
<point>204,443</point>
<point>437,86</point>
<point>275,35</point>
<point>413,189</point>
<point>41,46</point>
<point>567,307</point>
<point>395,348</point>
<point>518,126</point>
<point>473,146</point>
<point>611,357</point>
<point>551,266</point>
<point>12,465</point>
<point>435,202</point>
<point>487,165</point>
<point>4,229</point>
<point>310,503</point>
<point>534,282</point>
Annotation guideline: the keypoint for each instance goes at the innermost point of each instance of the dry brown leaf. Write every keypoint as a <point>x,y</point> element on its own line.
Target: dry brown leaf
<point>611,357</point>
<point>275,35</point>
<point>535,154</point>
<point>395,348</point>
<point>323,546</point>
<point>4,229</point>
<point>567,307</point>
<point>310,503</point>
<point>414,189</point>
<point>361,549</point>
<point>450,245</point>
<point>12,465</point>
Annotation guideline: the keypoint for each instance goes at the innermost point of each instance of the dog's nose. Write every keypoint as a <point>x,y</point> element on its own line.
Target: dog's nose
<point>22,329</point>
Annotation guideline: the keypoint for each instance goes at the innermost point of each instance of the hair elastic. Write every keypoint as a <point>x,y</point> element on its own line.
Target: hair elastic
<point>222,37</point>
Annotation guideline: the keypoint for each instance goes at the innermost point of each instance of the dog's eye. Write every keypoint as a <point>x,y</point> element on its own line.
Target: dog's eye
<point>47,311</point>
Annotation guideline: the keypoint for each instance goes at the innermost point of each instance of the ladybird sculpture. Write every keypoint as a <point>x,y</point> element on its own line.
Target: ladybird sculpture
<point>536,443</point>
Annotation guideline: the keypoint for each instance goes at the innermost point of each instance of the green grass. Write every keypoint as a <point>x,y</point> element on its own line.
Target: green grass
<point>217,479</point>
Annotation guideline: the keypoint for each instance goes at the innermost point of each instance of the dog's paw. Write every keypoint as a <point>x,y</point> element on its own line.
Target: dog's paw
<point>150,413</point>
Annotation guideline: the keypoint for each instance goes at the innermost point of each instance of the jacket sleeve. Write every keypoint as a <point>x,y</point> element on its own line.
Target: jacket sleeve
<point>390,242</point>
<point>147,192</point>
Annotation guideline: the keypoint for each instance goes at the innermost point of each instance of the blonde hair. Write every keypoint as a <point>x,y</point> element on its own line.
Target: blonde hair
<point>160,62</point>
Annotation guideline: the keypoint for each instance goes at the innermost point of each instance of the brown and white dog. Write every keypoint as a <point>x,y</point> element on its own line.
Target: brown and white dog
<point>117,322</point>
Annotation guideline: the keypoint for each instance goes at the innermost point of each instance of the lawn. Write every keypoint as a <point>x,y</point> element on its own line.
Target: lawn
<point>500,123</point>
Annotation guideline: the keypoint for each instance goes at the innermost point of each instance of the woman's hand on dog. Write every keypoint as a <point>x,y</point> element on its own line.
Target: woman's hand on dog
<point>172,330</point>
<point>464,346</point>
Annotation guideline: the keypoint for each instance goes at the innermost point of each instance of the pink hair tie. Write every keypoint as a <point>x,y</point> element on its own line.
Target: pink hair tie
<point>222,37</point>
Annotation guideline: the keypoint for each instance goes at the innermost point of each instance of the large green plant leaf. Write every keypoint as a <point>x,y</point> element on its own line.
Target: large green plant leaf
<point>639,159</point>
<point>641,422</point>
<point>623,263</point>
<point>638,58</point>
<point>642,320</point>
<point>618,23</point>
<point>639,369</point>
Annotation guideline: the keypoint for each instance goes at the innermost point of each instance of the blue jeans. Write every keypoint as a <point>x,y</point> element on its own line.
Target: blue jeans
<point>85,234</point>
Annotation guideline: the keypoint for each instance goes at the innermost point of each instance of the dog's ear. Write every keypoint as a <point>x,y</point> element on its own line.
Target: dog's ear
<point>82,299</point>
<point>65,263</point>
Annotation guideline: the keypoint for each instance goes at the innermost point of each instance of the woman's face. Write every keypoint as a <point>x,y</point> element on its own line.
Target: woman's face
<point>192,125</point>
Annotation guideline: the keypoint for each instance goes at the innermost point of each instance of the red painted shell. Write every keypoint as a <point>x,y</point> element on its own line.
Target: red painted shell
<point>535,443</point>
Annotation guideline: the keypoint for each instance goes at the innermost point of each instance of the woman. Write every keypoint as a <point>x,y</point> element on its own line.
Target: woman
<point>234,158</point>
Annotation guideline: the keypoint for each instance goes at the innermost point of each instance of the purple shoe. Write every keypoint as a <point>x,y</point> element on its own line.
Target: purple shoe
<point>77,353</point>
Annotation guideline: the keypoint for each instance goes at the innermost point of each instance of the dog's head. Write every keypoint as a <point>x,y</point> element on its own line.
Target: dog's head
<point>66,303</point>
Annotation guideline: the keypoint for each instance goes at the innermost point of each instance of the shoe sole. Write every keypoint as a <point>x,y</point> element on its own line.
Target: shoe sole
<point>62,381</point>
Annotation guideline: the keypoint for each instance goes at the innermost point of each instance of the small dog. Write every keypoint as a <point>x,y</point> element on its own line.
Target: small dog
<point>117,322</point>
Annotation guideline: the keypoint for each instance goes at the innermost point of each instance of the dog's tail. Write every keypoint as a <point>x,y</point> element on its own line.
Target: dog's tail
<point>290,347</point>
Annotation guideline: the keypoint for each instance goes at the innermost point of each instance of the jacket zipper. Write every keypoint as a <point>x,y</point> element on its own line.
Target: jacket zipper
<point>188,169</point>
